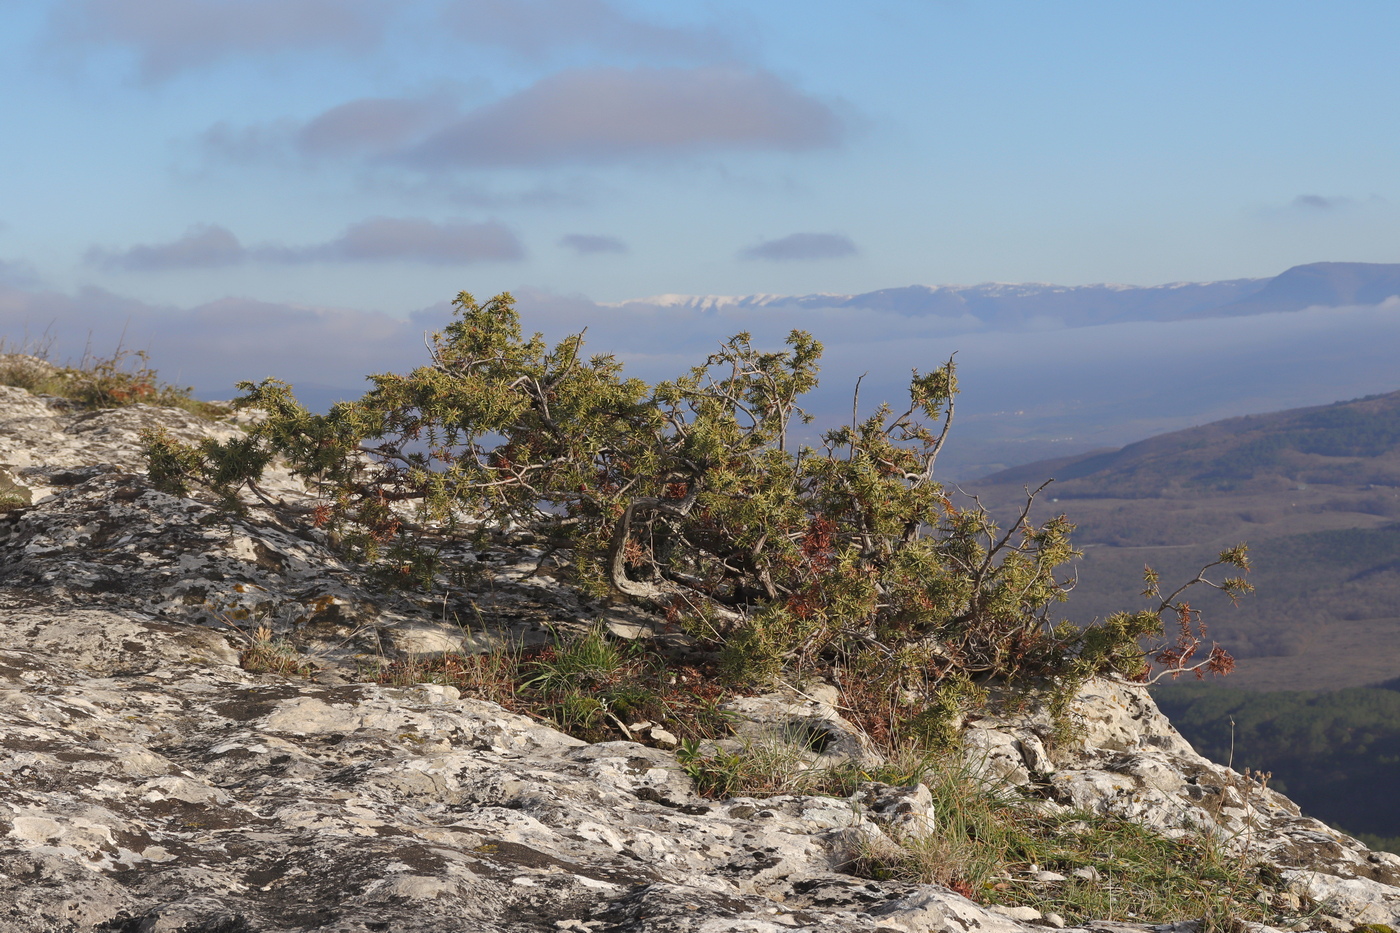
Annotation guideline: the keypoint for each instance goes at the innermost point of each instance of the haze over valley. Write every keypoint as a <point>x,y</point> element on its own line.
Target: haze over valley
<point>1045,370</point>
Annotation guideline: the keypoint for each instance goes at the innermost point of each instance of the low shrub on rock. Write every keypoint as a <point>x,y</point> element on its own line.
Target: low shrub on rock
<point>847,561</point>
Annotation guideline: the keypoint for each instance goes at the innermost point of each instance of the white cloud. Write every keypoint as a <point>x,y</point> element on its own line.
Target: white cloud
<point>801,246</point>
<point>535,27</point>
<point>373,126</point>
<point>18,273</point>
<point>575,117</point>
<point>405,238</point>
<point>204,246</point>
<point>598,115</point>
<point>1312,207</point>
<point>171,36</point>
<point>588,244</point>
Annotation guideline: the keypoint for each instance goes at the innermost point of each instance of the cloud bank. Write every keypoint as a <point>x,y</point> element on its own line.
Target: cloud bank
<point>18,273</point>
<point>379,239</point>
<point>537,27</point>
<point>585,116</point>
<point>599,115</point>
<point>407,239</point>
<point>1026,395</point>
<point>587,244</point>
<point>171,36</point>
<point>204,246</point>
<point>372,126</point>
<point>801,247</point>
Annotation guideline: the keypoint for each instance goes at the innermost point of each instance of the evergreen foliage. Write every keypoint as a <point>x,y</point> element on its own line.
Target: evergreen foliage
<point>847,561</point>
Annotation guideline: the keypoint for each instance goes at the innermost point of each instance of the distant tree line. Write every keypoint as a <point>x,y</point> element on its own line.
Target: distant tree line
<point>1331,432</point>
<point>1336,753</point>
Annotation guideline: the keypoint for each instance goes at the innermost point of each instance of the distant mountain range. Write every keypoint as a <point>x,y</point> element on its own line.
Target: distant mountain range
<point>1315,492</point>
<point>1318,284</point>
<point>999,305</point>
<point>1046,370</point>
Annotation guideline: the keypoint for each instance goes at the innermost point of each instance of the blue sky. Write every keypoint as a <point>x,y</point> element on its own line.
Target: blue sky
<point>215,176</point>
<point>383,155</point>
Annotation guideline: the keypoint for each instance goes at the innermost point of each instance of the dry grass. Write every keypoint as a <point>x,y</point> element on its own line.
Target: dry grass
<point>125,377</point>
<point>265,654</point>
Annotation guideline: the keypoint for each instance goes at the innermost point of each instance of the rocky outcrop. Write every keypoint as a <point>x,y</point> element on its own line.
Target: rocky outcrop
<point>1129,761</point>
<point>149,784</point>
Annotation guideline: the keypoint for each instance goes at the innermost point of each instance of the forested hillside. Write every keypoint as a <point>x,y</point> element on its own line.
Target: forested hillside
<point>1315,698</point>
<point>1335,753</point>
<point>1348,444</point>
<point>1316,494</point>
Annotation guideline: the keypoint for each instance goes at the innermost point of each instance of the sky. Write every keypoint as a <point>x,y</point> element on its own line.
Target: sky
<point>334,171</point>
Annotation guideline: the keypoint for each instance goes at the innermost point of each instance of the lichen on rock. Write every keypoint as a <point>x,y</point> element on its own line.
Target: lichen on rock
<point>150,783</point>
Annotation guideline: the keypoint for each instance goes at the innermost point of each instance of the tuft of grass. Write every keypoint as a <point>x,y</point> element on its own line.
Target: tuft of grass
<point>988,842</point>
<point>262,652</point>
<point>975,827</point>
<point>990,845</point>
<point>125,377</point>
<point>589,663</point>
<point>265,654</point>
<point>591,686</point>
<point>491,676</point>
<point>759,769</point>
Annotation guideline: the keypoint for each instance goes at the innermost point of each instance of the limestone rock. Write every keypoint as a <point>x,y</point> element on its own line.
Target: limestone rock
<point>148,783</point>
<point>805,720</point>
<point>1129,761</point>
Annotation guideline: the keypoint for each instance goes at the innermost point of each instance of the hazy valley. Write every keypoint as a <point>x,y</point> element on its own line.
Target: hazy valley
<point>1046,370</point>
<point>1316,493</point>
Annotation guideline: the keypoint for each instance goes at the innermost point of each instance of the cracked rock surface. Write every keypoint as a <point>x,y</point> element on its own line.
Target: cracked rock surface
<point>148,784</point>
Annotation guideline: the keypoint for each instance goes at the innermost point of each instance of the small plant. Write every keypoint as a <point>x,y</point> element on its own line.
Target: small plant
<point>266,654</point>
<point>584,664</point>
<point>262,651</point>
<point>26,366</point>
<point>758,769</point>
<point>492,676</point>
<point>123,378</point>
<point>974,828</point>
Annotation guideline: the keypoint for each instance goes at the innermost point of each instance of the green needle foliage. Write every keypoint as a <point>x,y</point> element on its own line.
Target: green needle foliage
<point>847,561</point>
